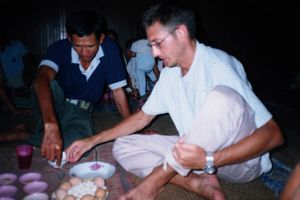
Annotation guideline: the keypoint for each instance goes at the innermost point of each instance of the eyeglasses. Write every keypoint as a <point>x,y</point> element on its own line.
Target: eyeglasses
<point>158,44</point>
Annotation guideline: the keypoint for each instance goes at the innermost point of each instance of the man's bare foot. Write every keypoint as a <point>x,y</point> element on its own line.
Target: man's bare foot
<point>142,191</point>
<point>20,132</point>
<point>204,185</point>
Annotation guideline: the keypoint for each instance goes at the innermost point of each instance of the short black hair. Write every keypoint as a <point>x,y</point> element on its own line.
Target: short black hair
<point>85,22</point>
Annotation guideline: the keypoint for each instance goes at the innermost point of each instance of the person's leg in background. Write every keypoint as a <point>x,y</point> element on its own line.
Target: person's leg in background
<point>144,64</point>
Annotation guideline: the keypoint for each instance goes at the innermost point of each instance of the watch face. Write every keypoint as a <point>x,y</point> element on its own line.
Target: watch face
<point>210,170</point>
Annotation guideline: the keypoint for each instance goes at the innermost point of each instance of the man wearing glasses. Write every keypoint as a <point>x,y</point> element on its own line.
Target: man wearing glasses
<point>157,44</point>
<point>224,129</point>
<point>71,79</point>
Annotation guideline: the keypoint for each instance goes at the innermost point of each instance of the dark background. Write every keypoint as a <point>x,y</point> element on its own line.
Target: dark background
<point>261,34</point>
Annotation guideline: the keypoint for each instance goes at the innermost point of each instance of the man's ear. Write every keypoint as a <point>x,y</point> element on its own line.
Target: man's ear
<point>182,29</point>
<point>69,37</point>
<point>101,38</point>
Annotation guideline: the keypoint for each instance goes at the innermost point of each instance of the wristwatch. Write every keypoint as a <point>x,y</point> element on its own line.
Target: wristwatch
<point>209,167</point>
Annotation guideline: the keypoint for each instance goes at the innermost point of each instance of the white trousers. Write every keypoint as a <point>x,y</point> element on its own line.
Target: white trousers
<point>224,119</point>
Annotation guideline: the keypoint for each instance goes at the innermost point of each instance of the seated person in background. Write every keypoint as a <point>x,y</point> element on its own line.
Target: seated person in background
<point>131,68</point>
<point>212,105</point>
<point>159,65</point>
<point>19,131</point>
<point>144,62</point>
<point>16,72</point>
<point>71,78</point>
<point>6,98</point>
<point>112,34</point>
<point>291,189</point>
<point>16,60</point>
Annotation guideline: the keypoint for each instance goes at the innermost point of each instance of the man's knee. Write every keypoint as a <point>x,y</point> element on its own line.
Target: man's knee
<point>226,98</point>
<point>225,94</point>
<point>227,117</point>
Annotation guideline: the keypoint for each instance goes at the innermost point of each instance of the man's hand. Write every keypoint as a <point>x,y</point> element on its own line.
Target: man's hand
<point>51,147</point>
<point>77,149</point>
<point>189,155</point>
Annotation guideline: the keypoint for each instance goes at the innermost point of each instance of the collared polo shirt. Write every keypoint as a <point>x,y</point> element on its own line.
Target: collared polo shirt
<point>106,68</point>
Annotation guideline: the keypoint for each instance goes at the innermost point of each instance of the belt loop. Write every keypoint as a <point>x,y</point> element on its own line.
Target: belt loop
<point>85,105</point>
<point>81,104</point>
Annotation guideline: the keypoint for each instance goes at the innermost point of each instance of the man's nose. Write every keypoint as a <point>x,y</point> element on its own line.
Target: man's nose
<point>84,51</point>
<point>155,51</point>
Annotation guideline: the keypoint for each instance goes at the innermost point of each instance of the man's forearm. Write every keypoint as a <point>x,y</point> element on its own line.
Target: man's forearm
<point>262,140</point>
<point>134,123</point>
<point>45,100</point>
<point>121,102</point>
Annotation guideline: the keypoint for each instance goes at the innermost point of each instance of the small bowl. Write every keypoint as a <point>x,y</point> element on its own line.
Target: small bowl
<point>30,177</point>
<point>7,178</point>
<point>35,187</point>
<point>8,190</point>
<point>38,195</point>
<point>6,198</point>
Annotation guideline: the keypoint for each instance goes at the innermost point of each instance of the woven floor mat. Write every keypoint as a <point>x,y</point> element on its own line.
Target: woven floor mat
<point>54,177</point>
<point>121,181</point>
<point>255,190</point>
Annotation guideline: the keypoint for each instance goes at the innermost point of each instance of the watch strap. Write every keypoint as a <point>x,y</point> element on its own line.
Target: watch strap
<point>209,168</point>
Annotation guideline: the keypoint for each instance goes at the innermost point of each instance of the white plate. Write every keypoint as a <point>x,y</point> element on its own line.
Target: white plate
<point>89,170</point>
<point>7,178</point>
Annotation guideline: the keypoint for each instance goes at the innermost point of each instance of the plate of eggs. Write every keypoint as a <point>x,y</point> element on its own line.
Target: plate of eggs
<point>77,188</point>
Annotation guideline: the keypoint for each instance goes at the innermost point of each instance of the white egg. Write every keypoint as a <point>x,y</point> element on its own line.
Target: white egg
<point>99,181</point>
<point>75,180</point>
<point>87,197</point>
<point>60,194</point>
<point>70,197</point>
<point>65,185</point>
<point>100,193</point>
